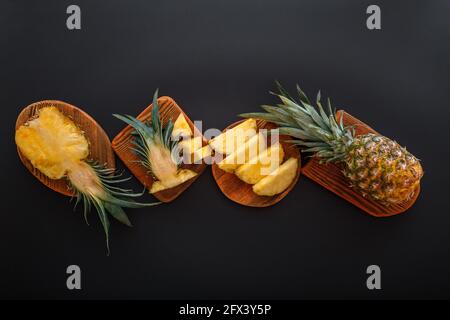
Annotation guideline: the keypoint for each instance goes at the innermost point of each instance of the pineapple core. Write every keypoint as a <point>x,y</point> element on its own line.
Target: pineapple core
<point>52,143</point>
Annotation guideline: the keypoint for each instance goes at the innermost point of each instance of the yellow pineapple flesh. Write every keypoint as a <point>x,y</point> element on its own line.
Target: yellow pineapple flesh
<point>52,142</point>
<point>244,153</point>
<point>279,180</point>
<point>264,163</point>
<point>190,145</point>
<point>227,142</point>
<point>181,128</point>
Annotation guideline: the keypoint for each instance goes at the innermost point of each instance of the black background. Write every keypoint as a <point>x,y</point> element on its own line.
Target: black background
<point>218,59</point>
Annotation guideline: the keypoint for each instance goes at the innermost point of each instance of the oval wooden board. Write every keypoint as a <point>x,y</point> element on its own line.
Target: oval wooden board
<point>331,177</point>
<point>99,144</point>
<point>122,144</point>
<point>238,191</point>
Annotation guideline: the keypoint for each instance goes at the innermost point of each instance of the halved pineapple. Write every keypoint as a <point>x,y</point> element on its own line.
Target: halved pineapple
<point>189,145</point>
<point>244,153</point>
<point>52,142</point>
<point>55,145</point>
<point>229,141</point>
<point>262,165</point>
<point>279,180</point>
<point>181,128</point>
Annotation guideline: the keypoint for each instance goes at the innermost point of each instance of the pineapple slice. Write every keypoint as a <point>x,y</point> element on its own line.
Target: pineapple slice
<point>201,154</point>
<point>230,140</point>
<point>279,180</point>
<point>52,142</point>
<point>264,163</point>
<point>244,153</point>
<point>181,128</point>
<point>190,145</point>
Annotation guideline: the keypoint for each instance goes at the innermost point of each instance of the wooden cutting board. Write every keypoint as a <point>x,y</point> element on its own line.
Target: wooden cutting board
<point>240,192</point>
<point>99,144</point>
<point>122,145</point>
<point>331,177</point>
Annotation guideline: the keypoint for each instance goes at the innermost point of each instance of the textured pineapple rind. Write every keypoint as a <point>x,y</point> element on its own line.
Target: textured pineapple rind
<point>380,168</point>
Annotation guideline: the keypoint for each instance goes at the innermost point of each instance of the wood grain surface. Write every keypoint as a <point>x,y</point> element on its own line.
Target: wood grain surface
<point>330,176</point>
<point>99,143</point>
<point>240,192</point>
<point>122,145</point>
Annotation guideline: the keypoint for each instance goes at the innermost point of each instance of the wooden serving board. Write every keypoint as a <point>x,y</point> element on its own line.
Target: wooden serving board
<point>330,176</point>
<point>99,144</point>
<point>122,145</point>
<point>238,191</point>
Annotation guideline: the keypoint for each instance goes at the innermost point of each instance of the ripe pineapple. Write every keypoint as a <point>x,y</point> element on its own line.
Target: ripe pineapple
<point>227,142</point>
<point>158,152</point>
<point>262,165</point>
<point>279,180</point>
<point>244,153</point>
<point>375,166</point>
<point>58,148</point>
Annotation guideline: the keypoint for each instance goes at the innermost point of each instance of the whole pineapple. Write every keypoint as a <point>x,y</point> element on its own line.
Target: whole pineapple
<point>375,166</point>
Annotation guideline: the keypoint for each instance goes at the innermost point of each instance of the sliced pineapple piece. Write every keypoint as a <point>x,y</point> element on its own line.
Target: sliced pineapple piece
<point>52,142</point>
<point>262,165</point>
<point>189,145</point>
<point>201,154</point>
<point>181,128</point>
<point>279,180</point>
<point>244,153</point>
<point>182,176</point>
<point>229,141</point>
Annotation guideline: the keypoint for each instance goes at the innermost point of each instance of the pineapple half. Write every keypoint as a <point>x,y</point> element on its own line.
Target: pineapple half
<point>55,146</point>
<point>158,151</point>
<point>279,180</point>
<point>264,164</point>
<point>374,165</point>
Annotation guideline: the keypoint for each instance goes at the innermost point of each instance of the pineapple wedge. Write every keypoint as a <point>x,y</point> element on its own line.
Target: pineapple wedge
<point>229,141</point>
<point>201,154</point>
<point>279,180</point>
<point>190,145</point>
<point>244,153</point>
<point>181,128</point>
<point>262,165</point>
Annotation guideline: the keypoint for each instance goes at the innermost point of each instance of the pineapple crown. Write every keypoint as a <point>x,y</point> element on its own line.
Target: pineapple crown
<point>149,133</point>
<point>311,126</point>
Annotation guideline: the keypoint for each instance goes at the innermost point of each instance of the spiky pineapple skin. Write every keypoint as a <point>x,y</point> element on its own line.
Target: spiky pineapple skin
<point>380,168</point>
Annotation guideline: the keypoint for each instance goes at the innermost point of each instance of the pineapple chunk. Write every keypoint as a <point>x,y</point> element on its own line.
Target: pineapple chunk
<point>244,153</point>
<point>229,141</point>
<point>182,176</point>
<point>181,128</point>
<point>52,142</point>
<point>190,145</point>
<point>261,166</point>
<point>201,154</point>
<point>279,180</point>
